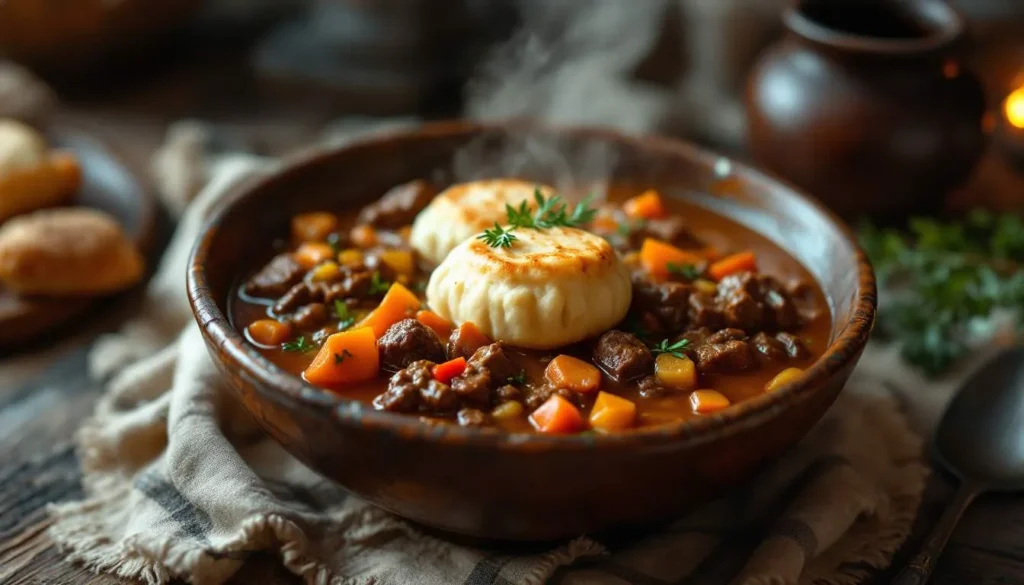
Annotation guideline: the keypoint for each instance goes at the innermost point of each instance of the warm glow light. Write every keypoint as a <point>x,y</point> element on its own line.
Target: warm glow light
<point>1013,108</point>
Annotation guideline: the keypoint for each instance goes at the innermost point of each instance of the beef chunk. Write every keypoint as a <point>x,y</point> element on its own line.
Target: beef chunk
<point>492,357</point>
<point>473,385</point>
<point>672,230</point>
<point>471,417</point>
<point>274,279</point>
<point>310,316</point>
<point>301,294</point>
<point>539,395</point>
<point>723,335</point>
<point>354,285</point>
<point>414,389</point>
<point>795,347</point>
<point>460,345</point>
<point>769,347</point>
<point>705,312</point>
<point>406,342</point>
<point>399,206</point>
<point>650,387</point>
<point>695,336</point>
<point>722,358</point>
<point>508,393</point>
<point>740,303</point>
<point>667,301</point>
<point>623,356</point>
<point>782,312</point>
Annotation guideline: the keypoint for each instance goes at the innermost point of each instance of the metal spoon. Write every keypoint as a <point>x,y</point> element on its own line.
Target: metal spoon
<point>981,441</point>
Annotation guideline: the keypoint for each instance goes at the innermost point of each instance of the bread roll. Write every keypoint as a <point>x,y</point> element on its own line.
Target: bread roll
<point>466,209</point>
<point>548,289</point>
<point>73,251</point>
<point>30,176</point>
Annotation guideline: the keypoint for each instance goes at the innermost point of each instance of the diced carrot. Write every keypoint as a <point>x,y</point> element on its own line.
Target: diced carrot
<point>350,257</point>
<point>655,256</point>
<point>612,413</point>
<point>710,253</point>
<point>449,369</point>
<point>439,324</point>
<point>557,416</point>
<point>470,338</point>
<point>309,254</point>
<point>604,221</point>
<point>705,401</point>
<point>740,262</point>
<point>398,303</point>
<point>313,227</point>
<point>269,332</point>
<point>346,357</point>
<point>646,205</point>
<point>400,261</point>
<point>782,378</point>
<point>575,374</point>
<point>364,236</point>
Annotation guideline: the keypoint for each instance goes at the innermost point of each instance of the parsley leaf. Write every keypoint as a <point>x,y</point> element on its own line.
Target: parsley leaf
<point>345,317</point>
<point>498,237</point>
<point>671,348</point>
<point>519,379</point>
<point>339,358</point>
<point>378,286</point>
<point>687,271</point>
<point>300,345</point>
<point>519,217</point>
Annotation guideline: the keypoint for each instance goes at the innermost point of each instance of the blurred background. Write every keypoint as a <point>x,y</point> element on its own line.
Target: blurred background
<point>274,75</point>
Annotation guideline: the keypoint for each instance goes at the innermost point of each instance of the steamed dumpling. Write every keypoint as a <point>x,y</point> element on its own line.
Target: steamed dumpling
<point>464,210</point>
<point>550,288</point>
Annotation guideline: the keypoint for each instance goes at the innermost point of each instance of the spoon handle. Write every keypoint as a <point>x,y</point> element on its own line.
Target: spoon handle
<point>920,568</point>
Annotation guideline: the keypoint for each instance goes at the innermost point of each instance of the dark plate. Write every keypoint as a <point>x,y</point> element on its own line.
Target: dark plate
<point>107,184</point>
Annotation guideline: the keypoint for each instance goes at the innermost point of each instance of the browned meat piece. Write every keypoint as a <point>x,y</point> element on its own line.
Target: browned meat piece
<point>301,294</point>
<point>794,346</point>
<point>672,230</point>
<point>705,312</point>
<point>539,395</point>
<point>650,387</point>
<point>471,417</point>
<point>508,393</point>
<point>354,285</point>
<point>460,345</point>
<point>473,386</point>
<point>406,342</point>
<point>769,347</point>
<point>695,336</point>
<point>274,279</point>
<point>723,335</point>
<point>780,309</point>
<point>623,356</point>
<point>740,302</point>
<point>667,301</point>
<point>321,335</point>
<point>723,358</point>
<point>311,316</point>
<point>399,206</point>
<point>492,357</point>
<point>414,389</point>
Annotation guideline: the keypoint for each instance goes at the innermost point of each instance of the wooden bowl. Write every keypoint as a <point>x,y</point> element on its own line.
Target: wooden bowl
<point>497,485</point>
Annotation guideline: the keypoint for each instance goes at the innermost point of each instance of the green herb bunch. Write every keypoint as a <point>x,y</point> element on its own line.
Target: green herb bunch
<point>551,212</point>
<point>940,276</point>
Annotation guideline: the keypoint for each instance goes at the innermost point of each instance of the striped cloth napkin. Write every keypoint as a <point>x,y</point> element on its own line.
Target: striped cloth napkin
<point>181,484</point>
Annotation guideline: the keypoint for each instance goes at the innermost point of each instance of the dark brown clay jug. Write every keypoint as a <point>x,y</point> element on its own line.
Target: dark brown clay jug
<point>864,105</point>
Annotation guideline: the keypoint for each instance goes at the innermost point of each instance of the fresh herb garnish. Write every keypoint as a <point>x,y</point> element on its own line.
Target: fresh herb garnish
<point>344,316</point>
<point>671,348</point>
<point>334,241</point>
<point>519,217</point>
<point>687,271</point>
<point>378,286</point>
<point>498,237</point>
<point>518,379</point>
<point>939,277</point>
<point>300,345</point>
<point>340,357</point>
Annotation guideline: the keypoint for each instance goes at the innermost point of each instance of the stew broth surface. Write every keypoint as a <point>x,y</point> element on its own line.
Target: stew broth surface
<point>716,231</point>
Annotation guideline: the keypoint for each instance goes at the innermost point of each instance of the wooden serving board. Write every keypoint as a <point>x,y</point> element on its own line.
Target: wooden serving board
<point>107,184</point>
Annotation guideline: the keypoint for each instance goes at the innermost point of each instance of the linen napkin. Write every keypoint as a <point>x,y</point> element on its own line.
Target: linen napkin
<point>180,483</point>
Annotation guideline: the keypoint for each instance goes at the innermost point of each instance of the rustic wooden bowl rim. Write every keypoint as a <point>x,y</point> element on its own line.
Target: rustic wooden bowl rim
<point>240,355</point>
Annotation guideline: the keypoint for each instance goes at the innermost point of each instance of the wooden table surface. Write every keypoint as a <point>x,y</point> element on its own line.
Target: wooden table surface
<point>45,392</point>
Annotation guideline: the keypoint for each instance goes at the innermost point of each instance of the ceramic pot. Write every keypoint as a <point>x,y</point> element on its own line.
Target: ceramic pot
<point>864,105</point>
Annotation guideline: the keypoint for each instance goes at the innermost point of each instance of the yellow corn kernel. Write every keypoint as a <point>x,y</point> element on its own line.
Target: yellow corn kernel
<point>782,378</point>
<point>325,272</point>
<point>706,401</point>
<point>508,410</point>
<point>612,413</point>
<point>675,372</point>
<point>350,257</point>
<point>400,261</point>
<point>705,286</point>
